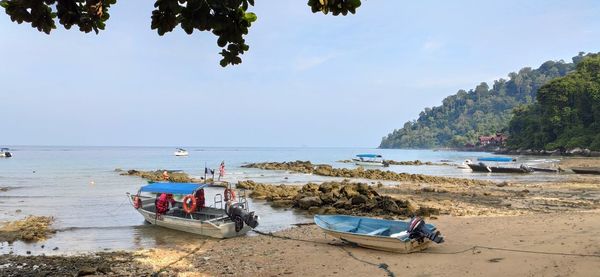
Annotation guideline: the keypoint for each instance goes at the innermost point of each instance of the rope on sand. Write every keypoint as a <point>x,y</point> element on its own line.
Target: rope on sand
<point>382,266</point>
<point>385,267</point>
<point>475,247</point>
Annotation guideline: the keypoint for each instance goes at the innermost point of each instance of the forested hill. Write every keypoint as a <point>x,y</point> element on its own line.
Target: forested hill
<point>464,116</point>
<point>566,114</point>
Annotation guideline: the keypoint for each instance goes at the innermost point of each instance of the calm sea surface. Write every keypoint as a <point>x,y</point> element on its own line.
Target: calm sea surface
<point>80,188</point>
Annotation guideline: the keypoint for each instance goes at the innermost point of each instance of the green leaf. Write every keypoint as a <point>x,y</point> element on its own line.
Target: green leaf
<point>250,17</point>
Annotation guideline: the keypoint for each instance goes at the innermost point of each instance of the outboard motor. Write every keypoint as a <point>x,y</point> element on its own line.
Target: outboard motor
<point>239,216</point>
<point>417,230</point>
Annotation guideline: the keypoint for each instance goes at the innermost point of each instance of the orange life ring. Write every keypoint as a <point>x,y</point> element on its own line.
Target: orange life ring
<point>186,207</point>
<point>229,194</point>
<point>137,202</point>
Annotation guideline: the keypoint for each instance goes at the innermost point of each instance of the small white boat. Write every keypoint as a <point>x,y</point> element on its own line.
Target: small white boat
<point>380,234</point>
<point>232,220</point>
<point>181,152</point>
<point>369,160</point>
<point>4,153</point>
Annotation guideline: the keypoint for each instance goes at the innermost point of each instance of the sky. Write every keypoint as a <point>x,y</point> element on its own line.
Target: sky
<point>308,80</point>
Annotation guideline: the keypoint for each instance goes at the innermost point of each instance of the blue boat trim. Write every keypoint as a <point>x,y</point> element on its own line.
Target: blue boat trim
<point>172,188</point>
<point>369,156</point>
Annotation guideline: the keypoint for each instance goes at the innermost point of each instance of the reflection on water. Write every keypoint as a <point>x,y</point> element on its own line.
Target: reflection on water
<point>79,187</point>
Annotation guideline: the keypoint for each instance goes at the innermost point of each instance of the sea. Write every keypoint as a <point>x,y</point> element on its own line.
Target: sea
<point>81,189</point>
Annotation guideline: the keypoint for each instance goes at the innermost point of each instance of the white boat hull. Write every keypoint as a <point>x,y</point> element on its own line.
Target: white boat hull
<point>181,154</point>
<point>205,228</point>
<point>368,163</point>
<point>380,243</point>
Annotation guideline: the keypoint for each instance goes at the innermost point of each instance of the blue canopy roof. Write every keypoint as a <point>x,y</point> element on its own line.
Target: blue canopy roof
<point>496,159</point>
<point>173,188</point>
<point>368,156</point>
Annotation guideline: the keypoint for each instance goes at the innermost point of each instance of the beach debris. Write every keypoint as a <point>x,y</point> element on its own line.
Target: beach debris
<point>29,229</point>
<point>359,172</point>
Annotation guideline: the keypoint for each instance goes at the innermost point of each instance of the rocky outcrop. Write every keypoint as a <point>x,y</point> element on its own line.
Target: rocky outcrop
<point>359,172</point>
<point>31,228</point>
<point>297,166</point>
<point>334,198</point>
<point>157,175</point>
<point>174,176</point>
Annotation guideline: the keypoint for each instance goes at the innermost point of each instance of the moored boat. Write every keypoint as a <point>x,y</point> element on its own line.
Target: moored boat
<point>586,170</point>
<point>181,152</point>
<point>369,160</point>
<point>481,167</point>
<point>380,234</point>
<point>191,215</point>
<point>4,153</point>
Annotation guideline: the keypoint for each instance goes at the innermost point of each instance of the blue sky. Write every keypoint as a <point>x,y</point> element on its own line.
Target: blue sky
<point>308,79</point>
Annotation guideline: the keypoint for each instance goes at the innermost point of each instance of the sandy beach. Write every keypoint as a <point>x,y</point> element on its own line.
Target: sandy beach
<point>473,248</point>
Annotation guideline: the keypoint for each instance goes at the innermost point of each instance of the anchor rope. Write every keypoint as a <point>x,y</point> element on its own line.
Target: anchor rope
<point>385,267</point>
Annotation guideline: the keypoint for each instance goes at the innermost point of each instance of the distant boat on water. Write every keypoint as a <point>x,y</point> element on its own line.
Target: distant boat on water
<point>181,152</point>
<point>4,153</point>
<point>369,160</point>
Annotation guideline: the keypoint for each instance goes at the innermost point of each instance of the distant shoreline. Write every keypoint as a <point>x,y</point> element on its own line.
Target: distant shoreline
<point>576,152</point>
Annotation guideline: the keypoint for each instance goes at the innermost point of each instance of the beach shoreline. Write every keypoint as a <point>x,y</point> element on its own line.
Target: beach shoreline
<point>556,216</point>
<point>532,245</point>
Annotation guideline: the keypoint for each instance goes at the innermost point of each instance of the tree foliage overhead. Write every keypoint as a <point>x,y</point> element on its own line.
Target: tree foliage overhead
<point>229,20</point>
<point>566,115</point>
<point>464,116</point>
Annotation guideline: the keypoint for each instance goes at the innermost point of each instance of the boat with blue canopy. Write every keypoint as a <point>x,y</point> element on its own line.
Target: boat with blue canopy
<point>228,215</point>
<point>497,159</point>
<point>369,160</point>
<point>380,234</point>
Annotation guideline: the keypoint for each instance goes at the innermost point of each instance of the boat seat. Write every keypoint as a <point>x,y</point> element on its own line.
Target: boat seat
<point>403,236</point>
<point>378,231</point>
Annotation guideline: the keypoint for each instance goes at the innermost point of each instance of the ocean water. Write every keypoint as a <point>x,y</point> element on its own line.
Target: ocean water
<point>79,187</point>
